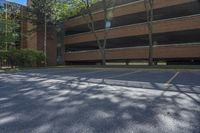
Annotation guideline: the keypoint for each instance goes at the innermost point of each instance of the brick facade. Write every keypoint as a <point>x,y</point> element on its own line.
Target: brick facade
<point>35,40</point>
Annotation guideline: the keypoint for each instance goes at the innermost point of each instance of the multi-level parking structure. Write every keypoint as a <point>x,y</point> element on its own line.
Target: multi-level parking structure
<point>176,33</point>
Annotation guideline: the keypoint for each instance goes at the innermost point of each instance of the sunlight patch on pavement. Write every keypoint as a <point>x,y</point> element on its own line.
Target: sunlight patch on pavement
<point>3,99</point>
<point>100,114</point>
<point>168,122</point>
<point>80,128</point>
<point>9,119</point>
<point>46,128</point>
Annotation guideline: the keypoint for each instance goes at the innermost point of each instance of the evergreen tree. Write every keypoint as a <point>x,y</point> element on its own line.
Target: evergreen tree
<point>45,13</point>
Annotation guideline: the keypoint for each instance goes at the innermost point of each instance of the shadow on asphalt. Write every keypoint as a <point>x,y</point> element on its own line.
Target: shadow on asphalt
<point>57,103</point>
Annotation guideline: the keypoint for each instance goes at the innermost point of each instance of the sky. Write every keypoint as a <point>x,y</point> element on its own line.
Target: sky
<point>22,2</point>
<point>1,1</point>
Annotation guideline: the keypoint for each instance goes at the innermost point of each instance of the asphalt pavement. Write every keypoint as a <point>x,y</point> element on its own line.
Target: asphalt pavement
<point>83,100</point>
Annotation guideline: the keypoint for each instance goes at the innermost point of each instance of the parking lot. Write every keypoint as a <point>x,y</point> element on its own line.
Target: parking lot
<point>91,100</point>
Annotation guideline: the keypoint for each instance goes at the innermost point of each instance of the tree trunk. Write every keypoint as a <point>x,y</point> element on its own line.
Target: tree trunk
<point>6,26</point>
<point>105,32</point>
<point>151,34</point>
<point>45,40</point>
<point>149,11</point>
<point>103,55</point>
<point>151,40</point>
<point>101,43</point>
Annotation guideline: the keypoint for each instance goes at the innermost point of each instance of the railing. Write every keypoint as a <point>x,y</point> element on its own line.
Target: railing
<point>187,50</point>
<point>124,9</point>
<point>160,26</point>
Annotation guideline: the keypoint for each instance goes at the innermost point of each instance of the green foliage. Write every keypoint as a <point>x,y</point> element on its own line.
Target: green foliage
<point>59,12</point>
<point>4,56</point>
<point>41,8</point>
<point>22,57</point>
<point>30,58</point>
<point>8,32</point>
<point>9,24</point>
<point>78,7</point>
<point>55,11</point>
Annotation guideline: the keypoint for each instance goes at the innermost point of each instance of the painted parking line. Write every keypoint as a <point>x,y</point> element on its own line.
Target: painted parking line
<point>172,78</point>
<point>49,71</point>
<point>78,71</point>
<point>85,73</point>
<point>123,74</point>
<point>69,71</point>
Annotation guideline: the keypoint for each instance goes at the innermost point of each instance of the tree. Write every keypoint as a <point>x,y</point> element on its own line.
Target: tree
<point>47,13</point>
<point>87,13</point>
<point>9,23</point>
<point>40,14</point>
<point>61,12</point>
<point>149,5</point>
<point>8,34</point>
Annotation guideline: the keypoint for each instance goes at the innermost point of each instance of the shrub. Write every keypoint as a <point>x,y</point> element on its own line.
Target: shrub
<point>23,57</point>
<point>40,58</point>
<point>3,57</point>
<point>31,58</point>
<point>13,57</point>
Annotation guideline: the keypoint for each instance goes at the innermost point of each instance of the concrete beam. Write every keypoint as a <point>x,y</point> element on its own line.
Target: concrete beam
<point>161,26</point>
<point>160,52</point>
<point>130,8</point>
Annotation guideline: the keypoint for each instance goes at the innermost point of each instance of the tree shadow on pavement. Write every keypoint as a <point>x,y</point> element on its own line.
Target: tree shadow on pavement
<point>52,104</point>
